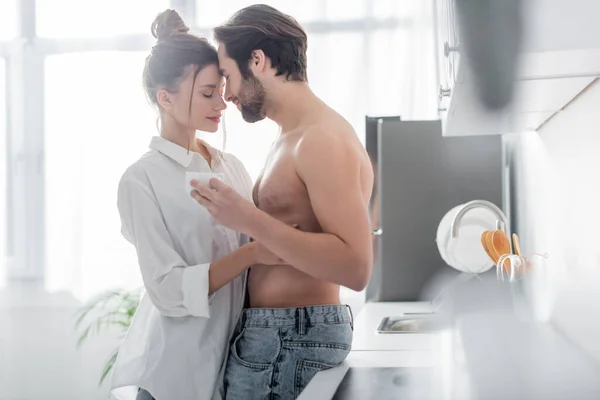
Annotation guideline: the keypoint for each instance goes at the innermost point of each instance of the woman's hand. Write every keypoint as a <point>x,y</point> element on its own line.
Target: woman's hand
<point>263,256</point>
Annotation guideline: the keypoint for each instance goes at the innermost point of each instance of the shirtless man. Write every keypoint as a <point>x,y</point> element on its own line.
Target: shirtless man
<point>311,211</point>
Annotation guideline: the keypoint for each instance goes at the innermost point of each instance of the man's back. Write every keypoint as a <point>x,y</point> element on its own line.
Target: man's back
<point>281,192</point>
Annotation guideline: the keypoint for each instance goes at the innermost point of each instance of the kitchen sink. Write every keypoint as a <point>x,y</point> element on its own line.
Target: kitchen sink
<point>405,324</point>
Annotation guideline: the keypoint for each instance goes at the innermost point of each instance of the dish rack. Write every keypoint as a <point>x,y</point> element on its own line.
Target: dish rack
<point>510,267</point>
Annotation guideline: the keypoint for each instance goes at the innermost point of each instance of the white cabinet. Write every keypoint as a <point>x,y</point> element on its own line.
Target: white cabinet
<point>448,56</point>
<point>560,58</point>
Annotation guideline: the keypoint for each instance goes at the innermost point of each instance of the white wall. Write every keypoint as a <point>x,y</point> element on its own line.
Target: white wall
<point>572,139</point>
<point>38,355</point>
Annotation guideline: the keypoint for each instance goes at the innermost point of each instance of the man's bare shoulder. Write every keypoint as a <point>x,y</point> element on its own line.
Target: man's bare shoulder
<point>329,134</point>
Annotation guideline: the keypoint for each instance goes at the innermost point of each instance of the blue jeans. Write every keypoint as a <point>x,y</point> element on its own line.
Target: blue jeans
<point>276,352</point>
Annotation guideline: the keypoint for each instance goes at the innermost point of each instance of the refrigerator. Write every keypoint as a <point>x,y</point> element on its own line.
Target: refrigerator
<point>419,176</point>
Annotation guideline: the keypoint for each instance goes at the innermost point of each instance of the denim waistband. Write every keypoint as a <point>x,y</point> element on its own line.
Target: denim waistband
<point>310,315</point>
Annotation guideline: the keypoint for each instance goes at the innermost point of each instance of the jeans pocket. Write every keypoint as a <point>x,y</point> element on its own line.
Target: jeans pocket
<point>249,372</point>
<point>305,371</point>
<point>256,348</point>
<point>247,381</point>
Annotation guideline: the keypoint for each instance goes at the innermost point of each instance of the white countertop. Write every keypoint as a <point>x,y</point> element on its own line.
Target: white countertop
<point>372,349</point>
<point>534,354</point>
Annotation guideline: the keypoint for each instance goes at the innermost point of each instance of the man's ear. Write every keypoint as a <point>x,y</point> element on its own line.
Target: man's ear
<point>258,62</point>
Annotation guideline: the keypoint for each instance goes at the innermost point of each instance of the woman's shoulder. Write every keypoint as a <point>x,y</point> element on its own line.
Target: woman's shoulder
<point>229,157</point>
<point>139,169</point>
<point>233,161</point>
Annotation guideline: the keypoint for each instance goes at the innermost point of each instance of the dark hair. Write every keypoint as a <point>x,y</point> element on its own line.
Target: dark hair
<point>175,50</point>
<point>261,27</point>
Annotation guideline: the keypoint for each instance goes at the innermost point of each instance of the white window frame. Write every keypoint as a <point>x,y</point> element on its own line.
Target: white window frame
<point>25,57</point>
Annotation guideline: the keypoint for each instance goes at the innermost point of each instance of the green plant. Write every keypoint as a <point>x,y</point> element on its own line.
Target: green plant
<point>111,309</point>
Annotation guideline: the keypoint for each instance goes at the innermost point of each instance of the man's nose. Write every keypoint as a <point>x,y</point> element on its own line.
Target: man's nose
<point>228,96</point>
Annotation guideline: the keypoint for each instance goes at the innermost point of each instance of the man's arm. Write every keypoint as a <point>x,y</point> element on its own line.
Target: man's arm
<point>344,253</point>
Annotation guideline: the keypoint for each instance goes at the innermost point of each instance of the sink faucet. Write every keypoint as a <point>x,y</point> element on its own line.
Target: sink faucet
<point>501,222</point>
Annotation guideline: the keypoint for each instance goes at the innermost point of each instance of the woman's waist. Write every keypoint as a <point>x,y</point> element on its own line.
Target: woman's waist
<point>150,328</point>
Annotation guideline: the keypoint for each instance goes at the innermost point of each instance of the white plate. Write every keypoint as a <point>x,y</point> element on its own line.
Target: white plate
<point>465,253</point>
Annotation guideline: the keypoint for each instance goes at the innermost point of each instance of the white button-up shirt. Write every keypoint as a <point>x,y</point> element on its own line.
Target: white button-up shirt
<point>178,340</point>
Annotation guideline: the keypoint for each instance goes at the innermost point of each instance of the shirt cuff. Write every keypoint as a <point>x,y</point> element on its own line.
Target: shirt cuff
<point>195,286</point>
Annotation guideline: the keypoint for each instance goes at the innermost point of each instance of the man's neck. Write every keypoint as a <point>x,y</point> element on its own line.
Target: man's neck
<point>288,104</point>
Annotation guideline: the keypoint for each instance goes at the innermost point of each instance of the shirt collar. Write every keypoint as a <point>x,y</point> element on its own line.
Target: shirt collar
<point>180,154</point>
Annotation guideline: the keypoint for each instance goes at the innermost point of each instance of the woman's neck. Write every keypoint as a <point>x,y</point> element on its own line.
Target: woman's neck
<point>186,138</point>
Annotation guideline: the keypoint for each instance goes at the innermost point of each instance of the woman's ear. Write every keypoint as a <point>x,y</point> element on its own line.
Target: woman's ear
<point>164,99</point>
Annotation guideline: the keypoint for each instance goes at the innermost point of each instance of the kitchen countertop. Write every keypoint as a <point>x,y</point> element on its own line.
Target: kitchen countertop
<point>372,349</point>
<point>391,366</point>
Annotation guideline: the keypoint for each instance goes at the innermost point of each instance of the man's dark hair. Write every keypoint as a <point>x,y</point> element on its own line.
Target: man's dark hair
<point>261,27</point>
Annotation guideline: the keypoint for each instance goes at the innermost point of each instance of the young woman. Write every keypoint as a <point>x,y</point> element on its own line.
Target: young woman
<point>193,269</point>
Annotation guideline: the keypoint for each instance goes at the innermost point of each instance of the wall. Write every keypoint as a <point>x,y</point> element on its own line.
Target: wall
<point>39,359</point>
<point>572,139</point>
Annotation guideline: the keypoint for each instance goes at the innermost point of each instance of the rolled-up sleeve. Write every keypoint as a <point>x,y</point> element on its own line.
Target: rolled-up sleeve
<point>176,289</point>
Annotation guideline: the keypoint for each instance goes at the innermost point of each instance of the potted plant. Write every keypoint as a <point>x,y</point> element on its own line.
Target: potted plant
<point>111,309</point>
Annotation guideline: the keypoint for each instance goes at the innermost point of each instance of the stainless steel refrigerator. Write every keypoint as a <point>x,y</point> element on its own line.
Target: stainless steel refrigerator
<point>421,175</point>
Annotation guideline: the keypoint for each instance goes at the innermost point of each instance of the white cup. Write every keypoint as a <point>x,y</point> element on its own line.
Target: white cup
<point>202,177</point>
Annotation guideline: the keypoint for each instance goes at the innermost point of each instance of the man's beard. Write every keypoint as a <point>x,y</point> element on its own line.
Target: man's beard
<point>252,99</point>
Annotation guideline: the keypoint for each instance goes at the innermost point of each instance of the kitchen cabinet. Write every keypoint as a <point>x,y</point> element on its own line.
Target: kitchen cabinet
<point>447,51</point>
<point>560,58</point>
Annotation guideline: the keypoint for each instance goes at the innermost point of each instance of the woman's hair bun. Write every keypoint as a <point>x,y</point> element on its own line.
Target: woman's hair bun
<point>167,24</point>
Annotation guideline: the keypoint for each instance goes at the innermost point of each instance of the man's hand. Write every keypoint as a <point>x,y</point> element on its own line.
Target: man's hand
<point>225,205</point>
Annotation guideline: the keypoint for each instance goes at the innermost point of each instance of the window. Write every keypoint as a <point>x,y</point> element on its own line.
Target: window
<point>409,10</point>
<point>351,10</point>
<point>386,8</point>
<point>88,19</point>
<point>364,57</point>
<point>212,13</point>
<point>338,75</point>
<point>3,173</point>
<point>98,122</point>
<point>404,83</point>
<point>249,142</point>
<point>8,20</point>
